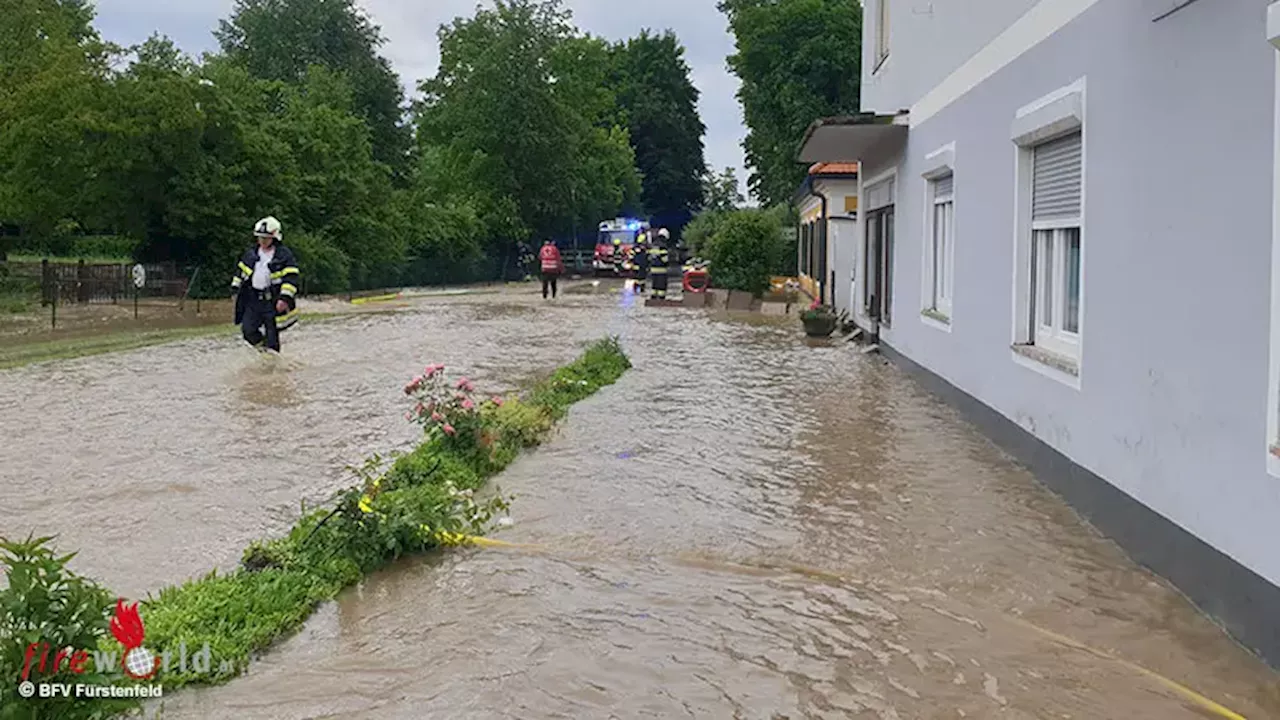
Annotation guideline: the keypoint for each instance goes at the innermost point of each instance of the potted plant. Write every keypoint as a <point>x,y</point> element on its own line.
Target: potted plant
<point>819,320</point>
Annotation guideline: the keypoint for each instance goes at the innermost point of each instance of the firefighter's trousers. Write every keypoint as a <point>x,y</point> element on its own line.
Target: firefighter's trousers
<point>659,277</point>
<point>260,315</point>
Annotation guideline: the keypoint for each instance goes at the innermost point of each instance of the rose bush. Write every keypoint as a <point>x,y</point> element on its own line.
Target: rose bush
<point>451,414</point>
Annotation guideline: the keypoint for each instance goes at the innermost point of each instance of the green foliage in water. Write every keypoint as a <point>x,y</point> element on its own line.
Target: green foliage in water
<point>746,250</point>
<point>424,500</point>
<point>52,607</point>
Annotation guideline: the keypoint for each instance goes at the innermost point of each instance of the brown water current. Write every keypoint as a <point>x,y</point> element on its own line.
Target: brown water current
<point>745,526</point>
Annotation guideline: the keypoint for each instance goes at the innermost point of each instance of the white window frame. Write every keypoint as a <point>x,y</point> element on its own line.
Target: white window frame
<point>890,175</point>
<point>937,311</point>
<point>1273,377</point>
<point>1050,291</point>
<point>1047,349</point>
<point>882,33</point>
<point>944,235</point>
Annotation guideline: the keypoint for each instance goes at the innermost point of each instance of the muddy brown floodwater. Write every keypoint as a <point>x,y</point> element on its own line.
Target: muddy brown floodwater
<point>744,526</point>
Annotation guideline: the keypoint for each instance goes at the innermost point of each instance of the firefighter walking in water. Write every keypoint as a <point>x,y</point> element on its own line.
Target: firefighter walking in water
<point>266,304</point>
<point>658,261</point>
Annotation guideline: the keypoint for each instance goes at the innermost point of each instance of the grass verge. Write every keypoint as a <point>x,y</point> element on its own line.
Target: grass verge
<point>422,500</point>
<point>22,352</point>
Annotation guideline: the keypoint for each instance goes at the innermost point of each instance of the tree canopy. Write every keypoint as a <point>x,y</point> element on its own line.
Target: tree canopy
<point>659,106</point>
<point>798,60</point>
<point>530,128</point>
<point>282,39</point>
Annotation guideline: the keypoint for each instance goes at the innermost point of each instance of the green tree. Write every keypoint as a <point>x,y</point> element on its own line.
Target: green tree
<point>282,39</point>
<point>518,109</point>
<point>168,173</point>
<point>746,250</point>
<point>798,60</point>
<point>606,178</point>
<point>53,70</point>
<point>720,192</point>
<point>700,230</point>
<point>660,108</point>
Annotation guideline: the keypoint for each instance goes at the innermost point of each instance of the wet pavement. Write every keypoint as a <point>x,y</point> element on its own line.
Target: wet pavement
<point>744,526</point>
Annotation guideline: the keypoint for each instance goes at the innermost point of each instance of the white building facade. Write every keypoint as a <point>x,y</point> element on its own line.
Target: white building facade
<point>827,204</point>
<point>1070,227</point>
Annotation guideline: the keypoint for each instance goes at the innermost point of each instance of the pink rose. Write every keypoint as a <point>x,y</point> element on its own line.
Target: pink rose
<point>437,417</point>
<point>463,382</point>
<point>433,369</point>
<point>448,429</point>
<point>497,401</point>
<point>418,408</point>
<point>467,405</point>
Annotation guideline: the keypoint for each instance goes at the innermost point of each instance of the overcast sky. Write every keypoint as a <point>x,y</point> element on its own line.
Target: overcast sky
<point>410,28</point>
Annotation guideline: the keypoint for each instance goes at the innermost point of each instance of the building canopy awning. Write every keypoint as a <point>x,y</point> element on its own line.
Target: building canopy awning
<point>852,138</point>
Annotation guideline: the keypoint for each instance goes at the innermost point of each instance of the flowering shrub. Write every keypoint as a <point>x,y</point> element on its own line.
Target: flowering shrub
<point>449,411</point>
<point>817,310</point>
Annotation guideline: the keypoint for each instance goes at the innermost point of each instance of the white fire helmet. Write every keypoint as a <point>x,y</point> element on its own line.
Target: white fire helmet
<point>267,227</point>
<point>662,233</point>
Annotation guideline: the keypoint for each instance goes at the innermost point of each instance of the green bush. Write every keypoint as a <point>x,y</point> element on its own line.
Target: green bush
<point>18,293</point>
<point>746,251</point>
<point>45,603</point>
<point>700,230</point>
<point>113,247</point>
<point>326,270</point>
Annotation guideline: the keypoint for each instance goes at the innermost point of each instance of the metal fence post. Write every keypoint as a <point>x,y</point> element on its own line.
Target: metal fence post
<point>182,304</point>
<point>54,306</point>
<point>45,282</point>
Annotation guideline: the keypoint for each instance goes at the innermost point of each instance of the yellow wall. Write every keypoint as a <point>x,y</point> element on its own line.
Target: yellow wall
<point>837,204</point>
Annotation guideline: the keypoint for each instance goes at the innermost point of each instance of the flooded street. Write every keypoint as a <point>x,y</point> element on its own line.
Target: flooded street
<point>744,526</point>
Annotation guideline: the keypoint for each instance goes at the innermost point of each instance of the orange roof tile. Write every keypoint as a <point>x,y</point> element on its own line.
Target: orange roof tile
<point>833,169</point>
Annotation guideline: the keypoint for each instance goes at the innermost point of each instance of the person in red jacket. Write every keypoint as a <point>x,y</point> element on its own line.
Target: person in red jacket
<point>552,266</point>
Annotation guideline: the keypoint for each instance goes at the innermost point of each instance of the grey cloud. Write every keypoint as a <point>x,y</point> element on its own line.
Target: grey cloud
<point>410,29</point>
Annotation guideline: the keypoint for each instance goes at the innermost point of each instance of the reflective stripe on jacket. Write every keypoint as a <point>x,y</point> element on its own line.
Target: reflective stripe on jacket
<point>550,256</point>
<point>285,280</point>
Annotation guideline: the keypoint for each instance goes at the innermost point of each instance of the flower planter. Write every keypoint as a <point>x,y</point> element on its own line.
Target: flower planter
<point>819,326</point>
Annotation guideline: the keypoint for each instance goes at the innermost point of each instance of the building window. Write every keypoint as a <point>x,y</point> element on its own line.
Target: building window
<point>804,248</point>
<point>940,246</point>
<point>1056,184</point>
<point>1048,253</point>
<point>882,32</point>
<point>878,252</point>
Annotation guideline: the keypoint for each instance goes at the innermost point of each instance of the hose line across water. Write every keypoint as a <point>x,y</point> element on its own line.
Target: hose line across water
<point>1186,693</point>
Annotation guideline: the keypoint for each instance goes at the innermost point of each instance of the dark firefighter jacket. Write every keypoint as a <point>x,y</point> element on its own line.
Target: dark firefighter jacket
<point>641,258</point>
<point>658,260</point>
<point>285,277</point>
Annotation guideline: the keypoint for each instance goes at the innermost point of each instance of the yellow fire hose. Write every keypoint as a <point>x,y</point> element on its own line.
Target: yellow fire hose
<point>375,298</point>
<point>1183,691</point>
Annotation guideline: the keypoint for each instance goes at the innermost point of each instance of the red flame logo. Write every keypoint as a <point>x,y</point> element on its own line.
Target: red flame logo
<point>126,625</point>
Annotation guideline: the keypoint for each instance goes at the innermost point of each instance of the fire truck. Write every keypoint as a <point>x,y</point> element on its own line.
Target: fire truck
<point>615,244</point>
